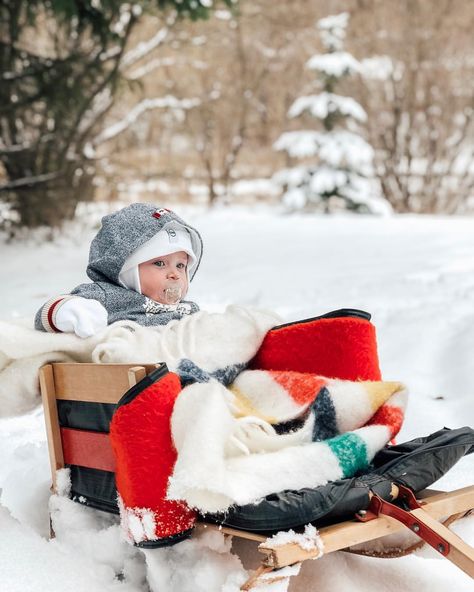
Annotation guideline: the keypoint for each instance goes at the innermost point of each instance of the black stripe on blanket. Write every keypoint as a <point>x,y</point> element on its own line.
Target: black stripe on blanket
<point>189,373</point>
<point>324,416</point>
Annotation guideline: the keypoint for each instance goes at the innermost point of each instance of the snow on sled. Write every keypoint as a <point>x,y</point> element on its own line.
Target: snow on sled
<point>363,491</point>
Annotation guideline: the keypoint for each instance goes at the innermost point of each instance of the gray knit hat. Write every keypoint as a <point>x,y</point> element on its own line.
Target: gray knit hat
<point>128,229</point>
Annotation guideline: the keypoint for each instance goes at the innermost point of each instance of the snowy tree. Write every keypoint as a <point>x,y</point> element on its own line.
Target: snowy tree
<point>61,65</point>
<point>337,163</point>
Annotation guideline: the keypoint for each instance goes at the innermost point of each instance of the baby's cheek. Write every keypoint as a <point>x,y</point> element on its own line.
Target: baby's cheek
<point>184,289</point>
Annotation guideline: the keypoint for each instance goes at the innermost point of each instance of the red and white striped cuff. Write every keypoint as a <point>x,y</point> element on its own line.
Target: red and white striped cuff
<point>49,311</point>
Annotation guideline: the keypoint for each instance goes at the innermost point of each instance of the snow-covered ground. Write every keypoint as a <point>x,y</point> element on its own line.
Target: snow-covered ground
<point>415,275</point>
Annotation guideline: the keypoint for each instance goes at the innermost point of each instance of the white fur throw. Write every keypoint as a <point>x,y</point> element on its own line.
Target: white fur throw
<point>210,340</point>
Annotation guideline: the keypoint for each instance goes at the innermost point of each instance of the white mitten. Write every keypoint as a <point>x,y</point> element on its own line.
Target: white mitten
<point>83,316</point>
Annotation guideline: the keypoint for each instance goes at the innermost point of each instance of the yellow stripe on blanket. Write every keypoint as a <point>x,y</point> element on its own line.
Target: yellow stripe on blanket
<point>380,392</point>
<point>244,407</point>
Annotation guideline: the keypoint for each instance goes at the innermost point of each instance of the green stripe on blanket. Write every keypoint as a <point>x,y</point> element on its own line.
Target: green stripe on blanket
<point>351,452</point>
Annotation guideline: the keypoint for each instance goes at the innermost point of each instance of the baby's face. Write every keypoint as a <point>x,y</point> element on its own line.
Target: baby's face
<point>164,279</point>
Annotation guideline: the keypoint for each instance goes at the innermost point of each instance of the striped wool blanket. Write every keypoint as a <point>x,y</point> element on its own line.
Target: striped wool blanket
<point>270,431</point>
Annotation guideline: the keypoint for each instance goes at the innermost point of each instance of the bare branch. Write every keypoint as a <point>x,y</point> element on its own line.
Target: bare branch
<point>29,181</point>
<point>146,105</point>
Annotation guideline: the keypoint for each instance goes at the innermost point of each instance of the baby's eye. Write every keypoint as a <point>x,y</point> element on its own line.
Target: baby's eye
<point>181,266</point>
<point>159,263</point>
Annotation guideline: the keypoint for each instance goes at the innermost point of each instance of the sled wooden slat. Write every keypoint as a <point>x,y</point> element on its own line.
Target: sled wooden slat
<point>460,553</point>
<point>243,534</point>
<point>346,534</point>
<point>448,503</point>
<point>93,382</point>
<point>254,581</point>
<point>48,395</point>
<point>136,374</point>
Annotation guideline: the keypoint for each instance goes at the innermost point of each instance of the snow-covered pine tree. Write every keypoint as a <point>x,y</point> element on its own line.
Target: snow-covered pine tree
<point>337,160</point>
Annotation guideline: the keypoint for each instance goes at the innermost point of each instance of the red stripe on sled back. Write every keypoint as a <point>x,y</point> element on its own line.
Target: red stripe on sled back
<point>87,449</point>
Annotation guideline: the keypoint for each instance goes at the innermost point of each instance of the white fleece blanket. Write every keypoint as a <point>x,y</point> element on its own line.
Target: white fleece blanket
<point>210,340</point>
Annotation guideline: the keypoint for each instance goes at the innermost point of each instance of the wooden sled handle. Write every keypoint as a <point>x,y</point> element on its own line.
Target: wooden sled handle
<point>443,540</point>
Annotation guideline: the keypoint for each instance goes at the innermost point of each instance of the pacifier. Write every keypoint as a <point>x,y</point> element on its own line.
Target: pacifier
<point>173,294</point>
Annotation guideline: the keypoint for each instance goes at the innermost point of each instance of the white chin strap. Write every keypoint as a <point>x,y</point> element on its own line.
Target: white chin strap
<point>131,279</point>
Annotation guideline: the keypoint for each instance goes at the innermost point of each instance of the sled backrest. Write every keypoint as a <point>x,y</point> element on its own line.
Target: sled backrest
<point>78,401</point>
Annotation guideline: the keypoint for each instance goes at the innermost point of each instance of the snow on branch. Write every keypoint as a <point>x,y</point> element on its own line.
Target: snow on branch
<point>333,30</point>
<point>143,48</point>
<point>292,177</point>
<point>160,62</point>
<point>110,53</point>
<point>302,143</point>
<point>100,104</point>
<point>337,22</point>
<point>146,105</point>
<point>341,147</point>
<point>327,180</point>
<point>326,103</point>
<point>337,64</point>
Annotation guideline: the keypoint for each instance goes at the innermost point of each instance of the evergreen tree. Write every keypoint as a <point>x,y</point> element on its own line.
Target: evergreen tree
<point>337,160</point>
<point>60,69</point>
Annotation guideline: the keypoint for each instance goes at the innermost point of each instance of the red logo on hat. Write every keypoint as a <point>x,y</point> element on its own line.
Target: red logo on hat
<point>161,212</point>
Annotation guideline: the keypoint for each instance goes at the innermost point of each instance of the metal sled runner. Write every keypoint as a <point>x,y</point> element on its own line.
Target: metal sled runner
<point>79,401</point>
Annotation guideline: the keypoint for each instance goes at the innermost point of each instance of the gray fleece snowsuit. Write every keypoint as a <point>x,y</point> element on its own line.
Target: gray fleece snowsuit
<point>122,233</point>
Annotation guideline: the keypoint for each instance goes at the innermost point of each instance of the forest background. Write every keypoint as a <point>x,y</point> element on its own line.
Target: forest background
<point>175,110</point>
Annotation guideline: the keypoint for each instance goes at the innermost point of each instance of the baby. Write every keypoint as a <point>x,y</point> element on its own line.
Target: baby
<point>140,263</point>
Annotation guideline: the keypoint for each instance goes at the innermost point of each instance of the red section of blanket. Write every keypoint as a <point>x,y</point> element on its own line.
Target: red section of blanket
<point>301,387</point>
<point>390,416</point>
<point>140,433</point>
<point>344,348</point>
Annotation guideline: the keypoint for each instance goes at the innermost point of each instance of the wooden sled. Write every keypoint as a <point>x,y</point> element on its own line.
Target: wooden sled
<point>106,383</point>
